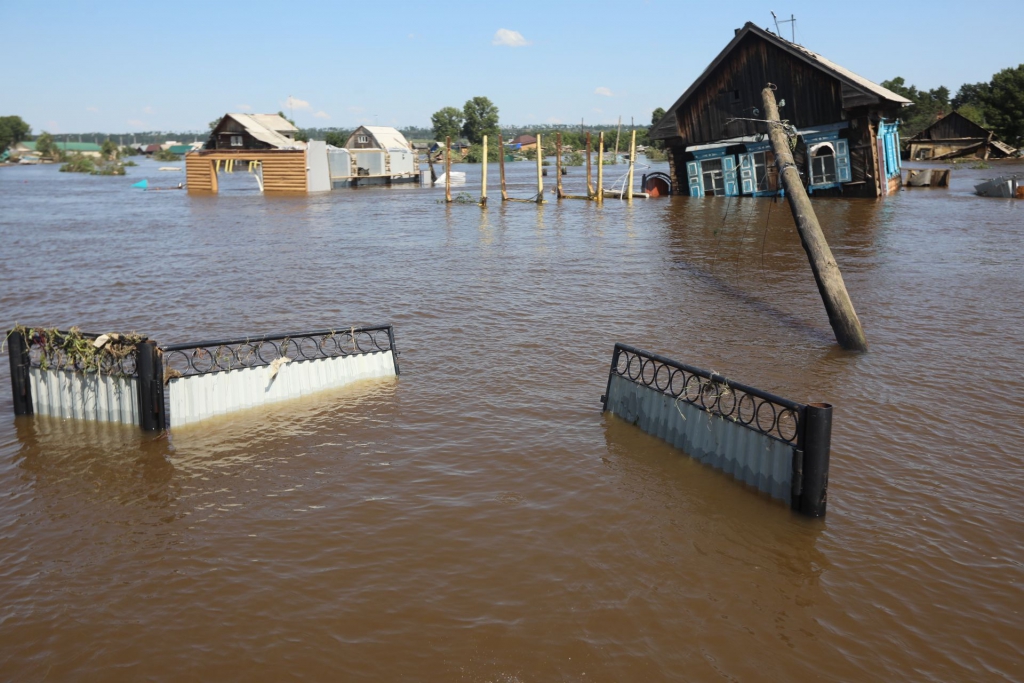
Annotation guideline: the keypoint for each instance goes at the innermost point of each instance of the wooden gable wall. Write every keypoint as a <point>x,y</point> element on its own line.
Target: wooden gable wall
<point>951,127</point>
<point>733,89</point>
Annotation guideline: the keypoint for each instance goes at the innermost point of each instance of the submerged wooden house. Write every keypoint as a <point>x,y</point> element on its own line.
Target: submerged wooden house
<point>373,155</point>
<point>847,142</point>
<point>264,144</point>
<point>953,136</point>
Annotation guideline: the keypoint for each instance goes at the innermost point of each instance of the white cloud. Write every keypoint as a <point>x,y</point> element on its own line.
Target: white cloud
<point>321,115</point>
<point>509,38</point>
<point>148,110</point>
<point>295,103</point>
<point>244,107</point>
<point>136,123</point>
<point>94,110</point>
<point>603,91</point>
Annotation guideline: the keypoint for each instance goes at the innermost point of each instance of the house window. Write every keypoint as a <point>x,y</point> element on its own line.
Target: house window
<point>766,179</point>
<point>236,140</point>
<point>823,164</point>
<point>363,139</point>
<point>714,178</point>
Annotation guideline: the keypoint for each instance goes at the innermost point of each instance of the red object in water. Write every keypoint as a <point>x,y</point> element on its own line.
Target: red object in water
<point>656,187</point>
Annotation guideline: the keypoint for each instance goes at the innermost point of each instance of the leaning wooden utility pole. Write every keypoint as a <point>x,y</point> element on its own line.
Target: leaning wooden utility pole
<point>483,175</point>
<point>600,168</point>
<point>615,159</point>
<point>841,315</point>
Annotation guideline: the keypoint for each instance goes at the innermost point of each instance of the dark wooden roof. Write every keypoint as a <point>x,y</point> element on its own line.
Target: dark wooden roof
<point>952,127</point>
<point>816,90</point>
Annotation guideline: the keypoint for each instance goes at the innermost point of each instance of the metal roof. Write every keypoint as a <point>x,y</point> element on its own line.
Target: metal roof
<point>269,128</point>
<point>852,82</point>
<point>386,138</point>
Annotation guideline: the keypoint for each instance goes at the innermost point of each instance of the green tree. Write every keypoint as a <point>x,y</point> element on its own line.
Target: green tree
<point>109,149</point>
<point>336,138</point>
<point>45,146</point>
<point>926,108</point>
<point>12,131</point>
<point>970,93</point>
<point>974,112</point>
<point>481,118</point>
<point>657,115</point>
<point>213,124</point>
<point>1004,105</point>
<point>447,122</point>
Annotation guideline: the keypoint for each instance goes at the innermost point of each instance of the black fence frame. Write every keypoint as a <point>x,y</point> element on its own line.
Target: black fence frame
<point>810,437</point>
<point>150,360</point>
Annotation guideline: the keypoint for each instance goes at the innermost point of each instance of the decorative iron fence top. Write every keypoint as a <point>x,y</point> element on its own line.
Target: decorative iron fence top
<point>76,351</point>
<point>771,415</point>
<point>200,358</point>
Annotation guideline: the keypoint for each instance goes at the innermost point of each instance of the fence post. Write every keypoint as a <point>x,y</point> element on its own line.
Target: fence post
<point>611,373</point>
<point>590,184</point>
<point>558,166</point>
<point>448,169</point>
<point>600,168</point>
<point>394,348</point>
<point>540,171</point>
<point>817,448</point>
<point>483,175</point>
<point>149,368</point>
<point>501,168</point>
<point>21,385</point>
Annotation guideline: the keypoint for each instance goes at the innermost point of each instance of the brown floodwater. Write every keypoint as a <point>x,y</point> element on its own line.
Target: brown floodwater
<point>479,519</point>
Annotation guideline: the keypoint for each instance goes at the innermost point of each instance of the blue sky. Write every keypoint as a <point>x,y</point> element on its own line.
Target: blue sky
<point>122,66</point>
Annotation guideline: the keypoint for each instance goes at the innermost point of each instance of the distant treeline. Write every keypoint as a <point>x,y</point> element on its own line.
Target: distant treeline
<point>997,105</point>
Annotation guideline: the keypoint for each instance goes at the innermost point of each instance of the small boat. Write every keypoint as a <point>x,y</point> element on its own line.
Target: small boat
<point>1004,187</point>
<point>458,178</point>
<point>169,168</point>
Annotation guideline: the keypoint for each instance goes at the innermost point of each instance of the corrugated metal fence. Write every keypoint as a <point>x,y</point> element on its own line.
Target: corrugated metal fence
<point>183,383</point>
<point>778,446</point>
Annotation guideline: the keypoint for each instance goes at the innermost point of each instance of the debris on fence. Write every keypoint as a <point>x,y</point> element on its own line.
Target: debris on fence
<point>776,445</point>
<point>127,378</point>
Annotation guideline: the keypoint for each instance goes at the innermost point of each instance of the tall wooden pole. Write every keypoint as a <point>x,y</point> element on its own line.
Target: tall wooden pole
<point>590,185</point>
<point>483,176</point>
<point>618,130</point>
<point>632,160</point>
<point>600,168</point>
<point>448,168</point>
<point>540,171</point>
<point>501,168</point>
<point>558,165</point>
<point>838,305</point>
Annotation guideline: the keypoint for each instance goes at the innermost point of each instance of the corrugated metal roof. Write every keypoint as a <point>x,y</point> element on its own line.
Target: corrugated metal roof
<point>387,138</point>
<point>268,128</point>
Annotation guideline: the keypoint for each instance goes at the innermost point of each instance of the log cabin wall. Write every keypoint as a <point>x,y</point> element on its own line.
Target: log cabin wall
<point>284,170</point>
<point>733,89</point>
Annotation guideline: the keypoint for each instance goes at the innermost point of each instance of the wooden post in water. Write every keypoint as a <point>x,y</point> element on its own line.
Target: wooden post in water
<point>540,171</point>
<point>483,175</point>
<point>600,168</point>
<point>501,168</point>
<point>448,168</point>
<point>841,314</point>
<point>590,185</point>
<point>615,159</point>
<point>558,166</point>
<point>632,160</point>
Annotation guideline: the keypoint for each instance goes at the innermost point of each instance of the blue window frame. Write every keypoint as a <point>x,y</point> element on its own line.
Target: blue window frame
<point>713,172</point>
<point>889,134</point>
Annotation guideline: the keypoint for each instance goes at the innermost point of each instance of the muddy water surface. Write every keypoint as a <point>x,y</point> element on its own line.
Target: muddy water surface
<point>479,519</point>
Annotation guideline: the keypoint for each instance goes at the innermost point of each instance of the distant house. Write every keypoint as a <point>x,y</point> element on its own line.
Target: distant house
<point>377,137</point>
<point>180,149</point>
<point>150,150</point>
<point>847,143</point>
<point>254,131</point>
<point>373,155</point>
<point>524,142</point>
<point>955,135</point>
<point>89,149</point>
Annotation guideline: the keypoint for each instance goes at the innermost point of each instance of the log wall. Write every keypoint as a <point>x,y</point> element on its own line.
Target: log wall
<point>284,170</point>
